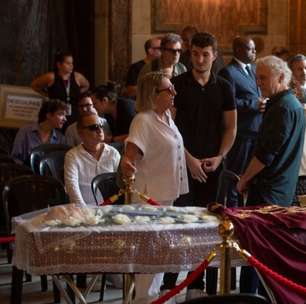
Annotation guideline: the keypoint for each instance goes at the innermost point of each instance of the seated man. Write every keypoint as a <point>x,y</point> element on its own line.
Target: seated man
<point>84,162</point>
<point>51,117</point>
<point>119,112</point>
<point>85,105</point>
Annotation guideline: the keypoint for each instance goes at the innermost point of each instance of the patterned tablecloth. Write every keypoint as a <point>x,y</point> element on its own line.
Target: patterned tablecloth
<point>146,248</point>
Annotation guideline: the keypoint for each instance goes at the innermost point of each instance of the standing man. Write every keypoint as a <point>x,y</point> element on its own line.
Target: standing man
<point>297,65</point>
<point>152,49</point>
<point>240,72</point>
<point>168,63</point>
<point>206,118</point>
<point>272,174</point>
<point>273,171</point>
<point>187,34</point>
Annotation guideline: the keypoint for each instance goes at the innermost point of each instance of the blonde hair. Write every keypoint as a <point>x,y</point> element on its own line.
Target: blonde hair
<point>147,90</point>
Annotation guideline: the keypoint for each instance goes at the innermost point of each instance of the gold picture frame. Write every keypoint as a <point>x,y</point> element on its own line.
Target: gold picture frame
<point>18,106</point>
<point>223,18</point>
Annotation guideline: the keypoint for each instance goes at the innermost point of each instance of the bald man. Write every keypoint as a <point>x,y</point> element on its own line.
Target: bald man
<point>240,72</point>
<point>152,49</point>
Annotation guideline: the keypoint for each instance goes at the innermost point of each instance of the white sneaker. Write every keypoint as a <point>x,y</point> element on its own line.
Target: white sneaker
<point>194,294</point>
<point>171,300</point>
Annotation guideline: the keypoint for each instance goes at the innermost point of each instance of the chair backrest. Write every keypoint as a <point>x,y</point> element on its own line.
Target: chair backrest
<point>4,158</point>
<point>227,180</point>
<point>29,193</point>
<point>53,165</point>
<point>41,151</point>
<point>230,299</point>
<point>7,136</point>
<point>105,183</point>
<point>9,171</point>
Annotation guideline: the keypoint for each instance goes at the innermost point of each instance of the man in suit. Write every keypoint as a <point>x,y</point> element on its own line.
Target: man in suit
<point>240,72</point>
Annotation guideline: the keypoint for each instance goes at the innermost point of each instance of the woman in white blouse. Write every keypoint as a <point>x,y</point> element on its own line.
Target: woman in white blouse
<point>92,157</point>
<point>154,152</point>
<point>154,149</point>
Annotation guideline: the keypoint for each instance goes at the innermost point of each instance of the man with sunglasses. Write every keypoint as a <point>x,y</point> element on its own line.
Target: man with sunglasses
<point>85,105</point>
<point>152,49</point>
<point>168,63</point>
<point>90,158</point>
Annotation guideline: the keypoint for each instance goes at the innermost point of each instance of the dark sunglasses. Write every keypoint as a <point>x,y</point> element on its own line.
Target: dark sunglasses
<point>94,127</point>
<point>173,51</point>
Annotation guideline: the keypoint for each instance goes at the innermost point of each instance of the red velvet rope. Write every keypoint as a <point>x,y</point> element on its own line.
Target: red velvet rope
<point>152,202</point>
<point>191,277</point>
<point>114,198</point>
<point>277,277</point>
<point>106,202</point>
<point>7,239</point>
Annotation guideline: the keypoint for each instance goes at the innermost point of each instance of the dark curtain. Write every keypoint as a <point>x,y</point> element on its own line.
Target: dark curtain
<point>32,30</point>
<point>23,43</point>
<point>71,27</point>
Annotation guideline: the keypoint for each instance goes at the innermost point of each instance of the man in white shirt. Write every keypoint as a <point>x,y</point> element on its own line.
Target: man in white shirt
<point>90,158</point>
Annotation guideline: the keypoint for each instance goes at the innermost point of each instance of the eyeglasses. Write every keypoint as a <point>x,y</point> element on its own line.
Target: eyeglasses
<point>94,127</point>
<point>170,90</point>
<point>173,51</point>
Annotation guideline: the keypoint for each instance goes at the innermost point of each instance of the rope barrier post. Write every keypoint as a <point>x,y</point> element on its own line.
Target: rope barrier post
<point>128,182</point>
<point>128,287</point>
<point>226,230</point>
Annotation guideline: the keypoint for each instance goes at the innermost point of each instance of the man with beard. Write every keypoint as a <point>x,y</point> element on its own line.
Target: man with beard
<point>206,117</point>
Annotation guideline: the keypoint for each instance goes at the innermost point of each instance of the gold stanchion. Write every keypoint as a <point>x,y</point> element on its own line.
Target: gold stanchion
<point>128,287</point>
<point>226,230</point>
<point>128,190</point>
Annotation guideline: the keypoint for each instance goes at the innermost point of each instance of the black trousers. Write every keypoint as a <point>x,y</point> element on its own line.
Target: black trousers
<point>237,161</point>
<point>200,194</point>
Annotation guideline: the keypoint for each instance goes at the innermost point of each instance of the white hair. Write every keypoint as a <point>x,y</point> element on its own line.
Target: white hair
<point>277,65</point>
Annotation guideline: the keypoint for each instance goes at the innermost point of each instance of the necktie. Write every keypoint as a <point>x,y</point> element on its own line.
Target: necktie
<point>248,70</point>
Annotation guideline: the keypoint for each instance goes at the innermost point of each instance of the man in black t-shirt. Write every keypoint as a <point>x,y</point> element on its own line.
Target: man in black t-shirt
<point>206,117</point>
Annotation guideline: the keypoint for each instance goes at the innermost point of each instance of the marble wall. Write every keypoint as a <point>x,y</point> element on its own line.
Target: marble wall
<point>276,35</point>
